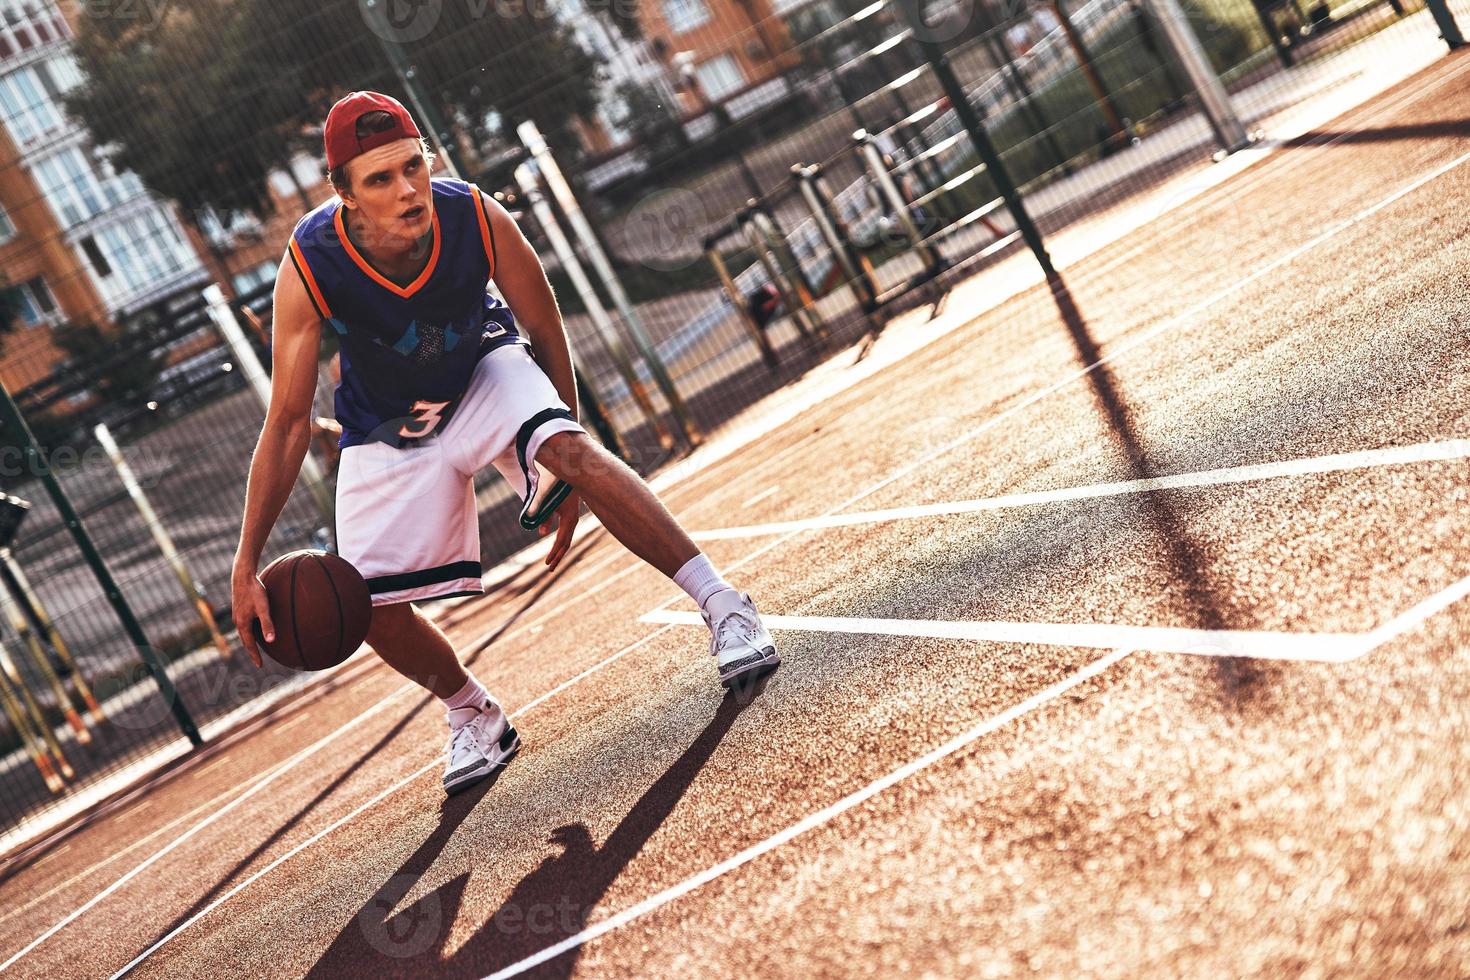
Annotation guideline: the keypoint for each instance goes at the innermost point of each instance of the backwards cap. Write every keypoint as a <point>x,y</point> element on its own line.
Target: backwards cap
<point>340,132</point>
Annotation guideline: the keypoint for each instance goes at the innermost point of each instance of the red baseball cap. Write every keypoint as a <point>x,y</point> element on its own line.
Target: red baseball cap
<point>340,132</point>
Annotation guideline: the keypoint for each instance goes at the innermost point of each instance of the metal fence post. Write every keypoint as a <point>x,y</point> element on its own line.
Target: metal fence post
<point>913,17</point>
<point>557,184</point>
<point>602,324</point>
<point>11,419</point>
<point>1214,100</point>
<point>1445,21</point>
<point>260,383</point>
<point>161,537</point>
<point>19,588</point>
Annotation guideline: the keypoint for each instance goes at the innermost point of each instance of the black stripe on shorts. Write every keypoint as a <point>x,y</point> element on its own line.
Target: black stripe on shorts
<point>424,576</point>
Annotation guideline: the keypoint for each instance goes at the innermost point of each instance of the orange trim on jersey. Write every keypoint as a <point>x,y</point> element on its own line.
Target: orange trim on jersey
<point>378,277</point>
<point>485,236</point>
<point>299,260</point>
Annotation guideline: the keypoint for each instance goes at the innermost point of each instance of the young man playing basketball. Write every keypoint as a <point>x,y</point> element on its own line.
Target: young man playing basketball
<point>438,381</point>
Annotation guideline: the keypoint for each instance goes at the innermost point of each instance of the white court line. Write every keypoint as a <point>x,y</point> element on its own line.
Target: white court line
<point>815,820</point>
<point>1143,338</point>
<point>1123,348</point>
<point>1447,450</point>
<point>158,855</point>
<point>752,501</point>
<point>365,806</point>
<point>1260,644</point>
<point>1363,643</point>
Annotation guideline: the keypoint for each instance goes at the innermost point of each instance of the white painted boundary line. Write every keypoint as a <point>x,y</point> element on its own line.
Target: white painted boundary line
<point>156,856</point>
<point>1448,450</point>
<point>1264,644</point>
<point>1363,644</point>
<point>1125,347</point>
<point>288,855</point>
<point>817,819</point>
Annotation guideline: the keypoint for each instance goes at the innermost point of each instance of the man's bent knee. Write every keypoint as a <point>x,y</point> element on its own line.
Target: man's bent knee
<point>569,455</point>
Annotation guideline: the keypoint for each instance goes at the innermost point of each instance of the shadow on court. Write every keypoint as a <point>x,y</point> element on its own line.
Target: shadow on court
<point>1439,129</point>
<point>548,905</point>
<point>1188,561</point>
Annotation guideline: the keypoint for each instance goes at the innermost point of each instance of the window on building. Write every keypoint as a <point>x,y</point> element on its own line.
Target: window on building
<point>685,15</point>
<point>77,189</point>
<point>255,277</point>
<point>34,303</point>
<point>26,24</point>
<point>145,249</point>
<point>7,227</point>
<point>720,77</point>
<point>28,109</point>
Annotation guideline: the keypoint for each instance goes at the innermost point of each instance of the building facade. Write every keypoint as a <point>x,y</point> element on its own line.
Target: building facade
<point>86,244</point>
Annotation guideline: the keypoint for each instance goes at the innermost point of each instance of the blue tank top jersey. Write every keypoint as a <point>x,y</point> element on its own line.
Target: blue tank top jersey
<point>407,352</point>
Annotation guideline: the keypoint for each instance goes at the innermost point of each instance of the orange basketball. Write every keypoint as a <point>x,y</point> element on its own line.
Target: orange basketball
<point>320,607</point>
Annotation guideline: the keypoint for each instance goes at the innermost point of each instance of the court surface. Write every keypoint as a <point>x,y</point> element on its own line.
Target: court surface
<point>1118,643</point>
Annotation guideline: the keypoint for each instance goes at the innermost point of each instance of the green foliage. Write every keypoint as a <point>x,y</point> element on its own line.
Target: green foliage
<point>653,122</point>
<point>127,365</point>
<point>206,100</point>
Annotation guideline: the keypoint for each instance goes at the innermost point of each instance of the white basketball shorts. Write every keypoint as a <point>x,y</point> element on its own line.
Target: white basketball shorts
<point>406,518</point>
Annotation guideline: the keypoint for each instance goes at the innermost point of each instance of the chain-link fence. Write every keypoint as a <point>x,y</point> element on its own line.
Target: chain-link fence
<point>769,183</point>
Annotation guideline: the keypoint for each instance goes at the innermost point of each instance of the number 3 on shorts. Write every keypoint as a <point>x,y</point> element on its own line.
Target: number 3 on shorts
<point>426,415</point>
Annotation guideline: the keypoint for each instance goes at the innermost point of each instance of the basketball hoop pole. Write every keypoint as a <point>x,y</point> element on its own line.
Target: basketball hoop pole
<point>13,422</point>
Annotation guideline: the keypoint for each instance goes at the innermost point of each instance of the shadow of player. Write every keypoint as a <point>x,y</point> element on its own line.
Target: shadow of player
<point>547,906</point>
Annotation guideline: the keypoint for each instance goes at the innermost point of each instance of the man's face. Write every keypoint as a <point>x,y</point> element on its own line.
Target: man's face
<point>390,190</point>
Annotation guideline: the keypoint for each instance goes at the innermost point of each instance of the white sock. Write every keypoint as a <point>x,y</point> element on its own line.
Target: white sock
<point>699,578</point>
<point>472,695</point>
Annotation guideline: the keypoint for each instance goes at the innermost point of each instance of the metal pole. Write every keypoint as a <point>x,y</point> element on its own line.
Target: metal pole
<point>858,280</point>
<point>10,418</point>
<point>42,660</point>
<point>1090,72</point>
<point>889,189</point>
<point>19,587</point>
<point>789,299</point>
<point>26,732</point>
<point>229,328</point>
<point>939,62</point>
<point>161,537</point>
<point>1021,91</point>
<point>408,76</point>
<point>562,191</point>
<point>38,717</point>
<point>1445,21</point>
<point>762,342</point>
<point>602,324</point>
<point>786,255</point>
<point>1184,43</point>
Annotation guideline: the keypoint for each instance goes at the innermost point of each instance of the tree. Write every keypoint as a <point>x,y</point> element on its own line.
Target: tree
<point>122,364</point>
<point>205,102</point>
<point>653,122</point>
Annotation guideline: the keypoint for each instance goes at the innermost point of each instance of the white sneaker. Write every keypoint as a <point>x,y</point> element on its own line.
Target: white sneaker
<point>742,648</point>
<point>481,740</point>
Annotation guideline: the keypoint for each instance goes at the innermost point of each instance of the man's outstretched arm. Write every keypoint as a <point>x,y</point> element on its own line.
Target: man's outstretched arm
<point>296,340</point>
